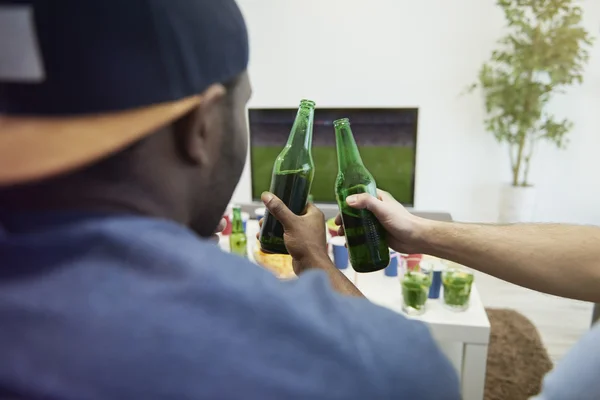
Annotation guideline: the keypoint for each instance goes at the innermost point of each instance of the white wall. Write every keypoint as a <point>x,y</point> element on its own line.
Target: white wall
<point>406,53</point>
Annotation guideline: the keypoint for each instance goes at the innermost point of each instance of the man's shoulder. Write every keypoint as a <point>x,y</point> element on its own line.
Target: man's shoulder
<point>126,241</point>
<point>164,303</point>
<point>299,324</point>
<point>576,375</point>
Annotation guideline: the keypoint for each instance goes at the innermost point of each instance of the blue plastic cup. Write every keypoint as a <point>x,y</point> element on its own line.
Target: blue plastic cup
<point>436,285</point>
<point>340,252</point>
<point>436,280</point>
<point>392,269</point>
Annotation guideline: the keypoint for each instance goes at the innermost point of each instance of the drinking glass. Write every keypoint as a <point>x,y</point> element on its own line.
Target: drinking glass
<point>415,288</point>
<point>457,288</point>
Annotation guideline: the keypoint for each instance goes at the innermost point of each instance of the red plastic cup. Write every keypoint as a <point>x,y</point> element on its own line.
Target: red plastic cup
<point>228,227</point>
<point>332,228</point>
<point>412,261</point>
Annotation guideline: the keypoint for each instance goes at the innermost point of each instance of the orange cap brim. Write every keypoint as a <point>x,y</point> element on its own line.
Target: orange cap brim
<point>34,148</point>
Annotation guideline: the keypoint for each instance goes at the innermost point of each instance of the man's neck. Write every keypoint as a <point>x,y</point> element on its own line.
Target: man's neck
<point>107,198</point>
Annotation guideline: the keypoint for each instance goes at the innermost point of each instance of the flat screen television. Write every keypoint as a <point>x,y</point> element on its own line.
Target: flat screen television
<point>386,137</point>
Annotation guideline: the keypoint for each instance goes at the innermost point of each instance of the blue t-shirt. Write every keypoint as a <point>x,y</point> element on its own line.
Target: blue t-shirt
<point>577,375</point>
<point>126,307</point>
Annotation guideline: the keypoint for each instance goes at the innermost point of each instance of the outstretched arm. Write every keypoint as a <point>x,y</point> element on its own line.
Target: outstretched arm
<point>563,260</point>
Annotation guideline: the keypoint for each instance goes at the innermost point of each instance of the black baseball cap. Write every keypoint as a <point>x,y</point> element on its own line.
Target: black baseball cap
<point>81,79</point>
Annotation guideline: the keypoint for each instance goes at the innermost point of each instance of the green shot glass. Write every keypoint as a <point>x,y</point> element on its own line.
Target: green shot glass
<point>415,290</point>
<point>457,288</point>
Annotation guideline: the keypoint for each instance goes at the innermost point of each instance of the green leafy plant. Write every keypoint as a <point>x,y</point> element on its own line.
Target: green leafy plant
<point>543,53</point>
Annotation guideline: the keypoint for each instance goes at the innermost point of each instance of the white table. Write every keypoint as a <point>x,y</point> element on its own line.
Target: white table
<point>462,336</point>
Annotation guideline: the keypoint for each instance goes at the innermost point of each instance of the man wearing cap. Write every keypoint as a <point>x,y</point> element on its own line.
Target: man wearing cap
<point>122,138</point>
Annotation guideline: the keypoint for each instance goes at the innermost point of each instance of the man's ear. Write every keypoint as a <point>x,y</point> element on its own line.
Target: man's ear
<point>197,132</point>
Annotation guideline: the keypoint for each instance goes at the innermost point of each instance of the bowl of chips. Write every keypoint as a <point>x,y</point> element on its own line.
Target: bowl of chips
<point>279,264</point>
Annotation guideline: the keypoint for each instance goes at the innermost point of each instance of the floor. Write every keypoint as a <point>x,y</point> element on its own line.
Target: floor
<point>561,322</point>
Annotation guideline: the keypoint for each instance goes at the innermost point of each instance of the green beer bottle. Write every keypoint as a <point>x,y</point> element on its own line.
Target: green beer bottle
<point>365,237</point>
<point>292,178</point>
<point>237,239</point>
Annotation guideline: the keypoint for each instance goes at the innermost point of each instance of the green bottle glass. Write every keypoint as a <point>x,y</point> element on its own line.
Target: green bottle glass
<point>365,237</point>
<point>292,178</point>
<point>237,240</point>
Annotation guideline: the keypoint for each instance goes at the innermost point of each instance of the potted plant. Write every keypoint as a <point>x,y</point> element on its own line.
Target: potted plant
<point>543,52</point>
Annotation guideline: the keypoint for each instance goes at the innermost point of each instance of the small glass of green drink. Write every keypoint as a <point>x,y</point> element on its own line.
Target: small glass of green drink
<point>457,288</point>
<point>415,288</point>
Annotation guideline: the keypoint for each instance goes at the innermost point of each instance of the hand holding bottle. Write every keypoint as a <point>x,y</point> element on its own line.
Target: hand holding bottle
<point>304,235</point>
<point>305,239</point>
<point>400,225</point>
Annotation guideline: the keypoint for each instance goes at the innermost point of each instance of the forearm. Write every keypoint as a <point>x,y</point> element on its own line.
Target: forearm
<point>339,282</point>
<point>563,260</point>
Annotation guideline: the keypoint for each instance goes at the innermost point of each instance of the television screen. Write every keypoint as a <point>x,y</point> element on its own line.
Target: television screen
<point>386,139</point>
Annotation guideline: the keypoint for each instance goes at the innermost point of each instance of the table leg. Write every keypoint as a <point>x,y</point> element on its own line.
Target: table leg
<point>473,371</point>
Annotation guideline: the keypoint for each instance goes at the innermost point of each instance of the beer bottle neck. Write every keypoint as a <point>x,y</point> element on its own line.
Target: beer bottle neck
<point>347,150</point>
<point>302,130</point>
<point>237,225</point>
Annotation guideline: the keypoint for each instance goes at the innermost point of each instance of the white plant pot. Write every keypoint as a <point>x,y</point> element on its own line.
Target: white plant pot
<point>517,204</point>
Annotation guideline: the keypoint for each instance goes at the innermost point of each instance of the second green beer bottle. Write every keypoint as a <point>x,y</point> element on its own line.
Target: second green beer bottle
<point>293,174</point>
<point>237,238</point>
<point>365,237</point>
